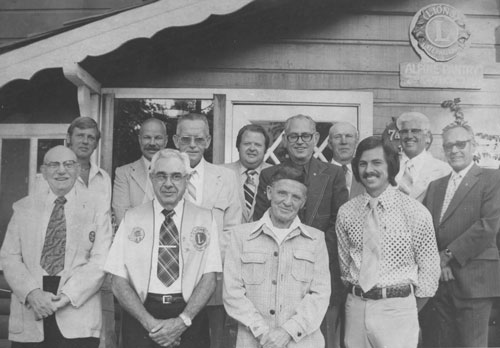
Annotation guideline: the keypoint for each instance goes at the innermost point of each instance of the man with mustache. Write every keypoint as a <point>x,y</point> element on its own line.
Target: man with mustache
<point>465,207</point>
<point>252,142</point>
<point>418,166</point>
<point>388,254</point>
<point>326,192</point>
<point>132,186</point>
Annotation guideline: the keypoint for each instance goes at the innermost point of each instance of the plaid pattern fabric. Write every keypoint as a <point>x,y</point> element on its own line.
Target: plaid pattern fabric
<point>168,251</point>
<point>54,247</point>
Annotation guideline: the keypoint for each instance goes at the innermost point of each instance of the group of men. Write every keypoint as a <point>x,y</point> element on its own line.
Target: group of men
<point>300,254</point>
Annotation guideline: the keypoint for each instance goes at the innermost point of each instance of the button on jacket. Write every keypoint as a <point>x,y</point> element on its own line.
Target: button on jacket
<point>268,285</point>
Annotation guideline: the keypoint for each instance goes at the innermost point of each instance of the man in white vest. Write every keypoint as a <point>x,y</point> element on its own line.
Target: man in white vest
<point>164,261</point>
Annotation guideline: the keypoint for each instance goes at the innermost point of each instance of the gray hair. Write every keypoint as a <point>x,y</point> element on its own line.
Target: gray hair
<point>170,153</point>
<point>300,117</point>
<point>193,117</point>
<point>413,116</point>
<point>463,126</point>
<point>335,124</point>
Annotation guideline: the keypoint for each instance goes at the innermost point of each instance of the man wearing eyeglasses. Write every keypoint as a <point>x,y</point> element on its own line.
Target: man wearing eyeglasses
<point>132,186</point>
<point>466,211</point>
<point>326,192</point>
<point>164,261</point>
<point>52,257</point>
<point>211,187</point>
<point>418,166</point>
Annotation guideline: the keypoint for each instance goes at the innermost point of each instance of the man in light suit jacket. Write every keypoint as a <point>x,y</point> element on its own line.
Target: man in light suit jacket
<point>343,139</point>
<point>465,207</point>
<point>418,167</point>
<point>132,186</point>
<point>252,143</point>
<point>326,192</point>
<point>52,258</point>
<point>211,187</point>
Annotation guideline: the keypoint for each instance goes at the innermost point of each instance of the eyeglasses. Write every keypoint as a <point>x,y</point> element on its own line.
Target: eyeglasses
<point>56,165</point>
<point>415,131</point>
<point>306,137</point>
<point>200,141</point>
<point>162,177</point>
<point>459,144</point>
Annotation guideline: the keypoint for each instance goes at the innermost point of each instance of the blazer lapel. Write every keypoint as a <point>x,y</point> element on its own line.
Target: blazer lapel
<point>75,213</point>
<point>213,180</point>
<point>437,205</point>
<point>40,224</point>
<point>315,191</point>
<point>139,173</point>
<point>468,182</point>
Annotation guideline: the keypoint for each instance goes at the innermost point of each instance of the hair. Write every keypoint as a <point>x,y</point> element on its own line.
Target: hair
<point>84,123</point>
<point>256,128</point>
<point>170,153</point>
<point>155,120</point>
<point>461,125</point>
<point>390,154</point>
<point>334,124</point>
<point>193,117</point>
<point>300,117</point>
<point>413,116</point>
<point>289,173</point>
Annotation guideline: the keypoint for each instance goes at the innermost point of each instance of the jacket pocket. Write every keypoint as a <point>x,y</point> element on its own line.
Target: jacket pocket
<point>303,265</point>
<point>16,318</point>
<point>253,267</point>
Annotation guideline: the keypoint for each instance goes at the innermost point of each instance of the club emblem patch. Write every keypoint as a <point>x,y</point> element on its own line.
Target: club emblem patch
<point>92,236</point>
<point>200,238</point>
<point>136,235</point>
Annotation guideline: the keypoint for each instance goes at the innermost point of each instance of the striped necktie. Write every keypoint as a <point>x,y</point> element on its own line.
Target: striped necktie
<point>249,188</point>
<point>191,189</point>
<point>368,274</point>
<point>54,247</point>
<point>168,251</point>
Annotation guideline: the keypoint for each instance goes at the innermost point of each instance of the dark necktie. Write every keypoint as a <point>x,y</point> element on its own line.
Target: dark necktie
<point>168,251</point>
<point>249,189</point>
<point>54,247</point>
<point>345,169</point>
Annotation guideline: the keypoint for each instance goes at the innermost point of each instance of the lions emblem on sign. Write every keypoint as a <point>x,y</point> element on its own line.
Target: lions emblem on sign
<point>92,236</point>
<point>200,238</point>
<point>440,31</point>
<point>136,235</point>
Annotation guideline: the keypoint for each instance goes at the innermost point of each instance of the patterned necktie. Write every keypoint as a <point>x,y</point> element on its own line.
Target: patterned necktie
<point>249,189</point>
<point>406,182</point>
<point>168,251</point>
<point>368,273</point>
<point>348,177</point>
<point>54,247</point>
<point>191,189</point>
<point>450,192</point>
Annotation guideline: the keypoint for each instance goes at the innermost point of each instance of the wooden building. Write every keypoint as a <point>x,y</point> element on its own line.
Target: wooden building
<point>239,61</point>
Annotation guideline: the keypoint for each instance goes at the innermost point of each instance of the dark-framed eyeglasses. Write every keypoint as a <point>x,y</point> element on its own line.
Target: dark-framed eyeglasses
<point>56,165</point>
<point>459,144</point>
<point>187,140</point>
<point>415,131</point>
<point>163,177</point>
<point>293,137</point>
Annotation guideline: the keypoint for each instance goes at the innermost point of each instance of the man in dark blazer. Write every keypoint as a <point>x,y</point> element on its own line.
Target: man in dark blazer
<point>466,211</point>
<point>326,192</point>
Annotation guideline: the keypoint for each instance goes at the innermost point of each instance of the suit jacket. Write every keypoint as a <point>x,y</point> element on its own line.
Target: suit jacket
<point>326,192</point>
<point>356,187</point>
<point>129,187</point>
<point>247,216</point>
<point>88,237</point>
<point>469,229</point>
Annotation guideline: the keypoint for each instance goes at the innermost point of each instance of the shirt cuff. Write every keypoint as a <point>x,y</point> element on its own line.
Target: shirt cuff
<point>258,328</point>
<point>70,299</point>
<point>294,329</point>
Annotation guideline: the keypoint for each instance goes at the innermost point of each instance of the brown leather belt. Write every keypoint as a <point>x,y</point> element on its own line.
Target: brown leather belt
<point>379,293</point>
<point>165,299</point>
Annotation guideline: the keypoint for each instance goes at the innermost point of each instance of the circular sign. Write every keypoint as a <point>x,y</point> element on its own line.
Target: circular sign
<point>438,31</point>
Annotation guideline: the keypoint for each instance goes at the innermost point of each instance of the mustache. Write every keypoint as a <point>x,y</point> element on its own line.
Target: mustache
<point>152,147</point>
<point>367,175</point>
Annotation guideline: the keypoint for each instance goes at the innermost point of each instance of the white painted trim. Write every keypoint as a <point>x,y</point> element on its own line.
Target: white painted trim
<point>80,77</point>
<point>39,130</point>
<point>107,34</point>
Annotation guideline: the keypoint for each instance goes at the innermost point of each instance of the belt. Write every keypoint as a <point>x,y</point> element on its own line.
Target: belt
<point>379,293</point>
<point>165,299</point>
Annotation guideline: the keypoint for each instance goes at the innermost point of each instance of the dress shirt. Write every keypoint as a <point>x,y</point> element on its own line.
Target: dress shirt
<point>197,180</point>
<point>418,162</point>
<point>409,253</point>
<point>269,285</point>
<point>461,174</point>
<point>348,174</point>
<point>148,192</point>
<point>280,233</point>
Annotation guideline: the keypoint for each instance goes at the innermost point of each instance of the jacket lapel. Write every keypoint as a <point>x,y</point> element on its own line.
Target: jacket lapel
<point>437,204</point>
<point>317,183</point>
<point>468,182</point>
<point>210,190</point>
<point>139,173</point>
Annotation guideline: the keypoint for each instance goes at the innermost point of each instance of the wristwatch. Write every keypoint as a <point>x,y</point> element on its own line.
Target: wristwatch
<point>187,321</point>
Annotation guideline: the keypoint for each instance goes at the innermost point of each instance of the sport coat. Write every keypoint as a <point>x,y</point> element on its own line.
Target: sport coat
<point>129,187</point>
<point>469,230</point>
<point>88,237</point>
<point>247,215</point>
<point>326,192</point>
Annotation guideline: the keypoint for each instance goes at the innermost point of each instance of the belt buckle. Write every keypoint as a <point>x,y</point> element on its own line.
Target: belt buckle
<point>167,299</point>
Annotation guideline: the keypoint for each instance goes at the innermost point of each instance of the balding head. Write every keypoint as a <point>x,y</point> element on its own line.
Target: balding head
<point>152,137</point>
<point>61,169</point>
<point>342,139</point>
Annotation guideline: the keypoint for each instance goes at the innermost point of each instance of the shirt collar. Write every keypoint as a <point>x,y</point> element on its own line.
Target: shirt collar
<point>265,220</point>
<point>418,161</point>
<point>51,197</point>
<point>243,169</point>
<point>147,163</point>
<point>349,165</point>
<point>94,170</point>
<point>178,209</point>
<point>200,167</point>
<point>464,171</point>
<point>387,199</point>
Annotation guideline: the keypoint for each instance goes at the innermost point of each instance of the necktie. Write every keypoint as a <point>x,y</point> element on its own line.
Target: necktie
<point>450,192</point>
<point>348,177</point>
<point>368,274</point>
<point>406,182</point>
<point>168,251</point>
<point>249,189</point>
<point>54,247</point>
<point>191,189</point>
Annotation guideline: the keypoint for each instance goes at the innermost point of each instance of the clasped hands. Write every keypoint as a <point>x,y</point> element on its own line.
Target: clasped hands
<point>275,338</point>
<point>167,333</point>
<point>446,272</point>
<point>45,303</point>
